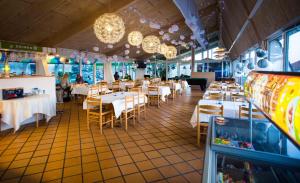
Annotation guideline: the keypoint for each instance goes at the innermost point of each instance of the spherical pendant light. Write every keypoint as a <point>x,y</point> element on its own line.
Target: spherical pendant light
<point>171,52</point>
<point>150,44</point>
<point>163,48</point>
<point>135,38</point>
<point>109,28</point>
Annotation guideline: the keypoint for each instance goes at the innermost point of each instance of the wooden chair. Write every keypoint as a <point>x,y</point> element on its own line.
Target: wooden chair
<point>96,113</point>
<point>129,111</point>
<point>213,110</point>
<point>215,96</point>
<point>244,113</point>
<point>116,86</point>
<point>153,95</point>
<point>237,97</point>
<point>93,91</point>
<point>140,105</point>
<point>173,90</point>
<point>215,87</point>
<point>103,87</point>
<point>234,88</point>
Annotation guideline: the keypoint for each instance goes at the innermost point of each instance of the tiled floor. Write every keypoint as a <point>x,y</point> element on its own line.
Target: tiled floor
<point>159,149</point>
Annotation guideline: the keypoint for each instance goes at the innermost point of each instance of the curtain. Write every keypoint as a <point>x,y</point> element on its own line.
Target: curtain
<point>108,74</point>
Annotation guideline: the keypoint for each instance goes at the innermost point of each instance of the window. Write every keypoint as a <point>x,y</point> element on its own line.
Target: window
<point>99,72</point>
<point>72,70</point>
<point>185,69</point>
<point>88,73</point>
<point>19,68</point>
<point>172,70</point>
<point>57,70</point>
<point>293,47</point>
<point>275,54</point>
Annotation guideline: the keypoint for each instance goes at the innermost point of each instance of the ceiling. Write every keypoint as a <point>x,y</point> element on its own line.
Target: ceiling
<point>69,23</point>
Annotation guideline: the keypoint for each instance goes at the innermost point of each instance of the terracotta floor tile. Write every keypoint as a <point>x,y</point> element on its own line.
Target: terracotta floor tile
<point>72,161</point>
<point>174,159</point>
<point>32,169</point>
<point>193,177</point>
<point>128,169</point>
<point>115,180</point>
<point>108,163</point>
<point>119,153</point>
<point>105,155</point>
<point>38,160</point>
<point>139,157</point>
<point>89,158</point>
<point>197,164</point>
<point>54,165</point>
<point>35,178</point>
<point>56,157</point>
<point>152,175</point>
<point>179,179</point>
<point>159,162</point>
<point>168,171</point>
<point>183,167</point>
<point>52,175</point>
<point>187,156</point>
<point>124,160</point>
<point>19,163</point>
<point>90,167</point>
<point>166,152</point>
<point>153,154</point>
<point>92,177</point>
<point>134,178</point>
<point>13,173</point>
<point>73,179</point>
<point>145,165</point>
<point>111,173</point>
<point>24,156</point>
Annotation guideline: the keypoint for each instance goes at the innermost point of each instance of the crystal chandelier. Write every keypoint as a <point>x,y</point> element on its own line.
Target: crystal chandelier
<point>171,52</point>
<point>135,38</point>
<point>109,28</point>
<point>163,48</point>
<point>151,44</point>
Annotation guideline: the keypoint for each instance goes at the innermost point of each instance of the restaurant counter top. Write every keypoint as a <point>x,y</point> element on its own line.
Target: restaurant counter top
<point>28,83</point>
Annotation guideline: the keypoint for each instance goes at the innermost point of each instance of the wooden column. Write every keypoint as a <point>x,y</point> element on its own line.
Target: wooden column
<point>193,60</point>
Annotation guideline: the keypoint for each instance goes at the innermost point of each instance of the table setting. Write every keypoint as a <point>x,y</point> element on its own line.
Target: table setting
<point>117,100</point>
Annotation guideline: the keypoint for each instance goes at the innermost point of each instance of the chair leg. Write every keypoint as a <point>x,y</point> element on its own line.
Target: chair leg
<point>144,112</point>
<point>112,120</point>
<point>133,117</point>
<point>198,133</point>
<point>100,120</point>
<point>126,120</point>
<point>87,121</point>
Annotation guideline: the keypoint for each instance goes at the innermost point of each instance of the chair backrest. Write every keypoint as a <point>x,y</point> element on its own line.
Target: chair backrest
<point>116,85</point>
<point>136,89</point>
<point>244,112</point>
<point>215,96</point>
<point>215,110</point>
<point>94,103</point>
<point>129,102</point>
<point>233,88</point>
<point>215,87</point>
<point>237,97</point>
<point>103,87</point>
<point>153,90</point>
<point>93,91</point>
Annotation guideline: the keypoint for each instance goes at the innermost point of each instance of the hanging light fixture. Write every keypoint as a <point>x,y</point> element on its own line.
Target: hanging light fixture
<point>109,28</point>
<point>150,44</point>
<point>135,38</point>
<point>171,52</point>
<point>163,48</point>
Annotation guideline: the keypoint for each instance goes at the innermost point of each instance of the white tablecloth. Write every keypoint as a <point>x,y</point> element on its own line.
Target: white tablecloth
<point>226,93</point>
<point>176,86</point>
<point>231,110</point>
<point>16,111</point>
<point>184,85</point>
<point>164,91</point>
<point>124,84</point>
<point>83,89</point>
<point>117,100</point>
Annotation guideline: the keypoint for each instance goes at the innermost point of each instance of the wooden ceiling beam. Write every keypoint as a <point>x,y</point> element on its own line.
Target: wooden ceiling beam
<point>85,23</point>
<point>208,10</point>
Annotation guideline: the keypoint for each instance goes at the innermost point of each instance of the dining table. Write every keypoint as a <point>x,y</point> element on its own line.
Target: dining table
<point>231,110</point>
<point>16,111</point>
<point>83,89</point>
<point>163,91</point>
<point>117,100</point>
